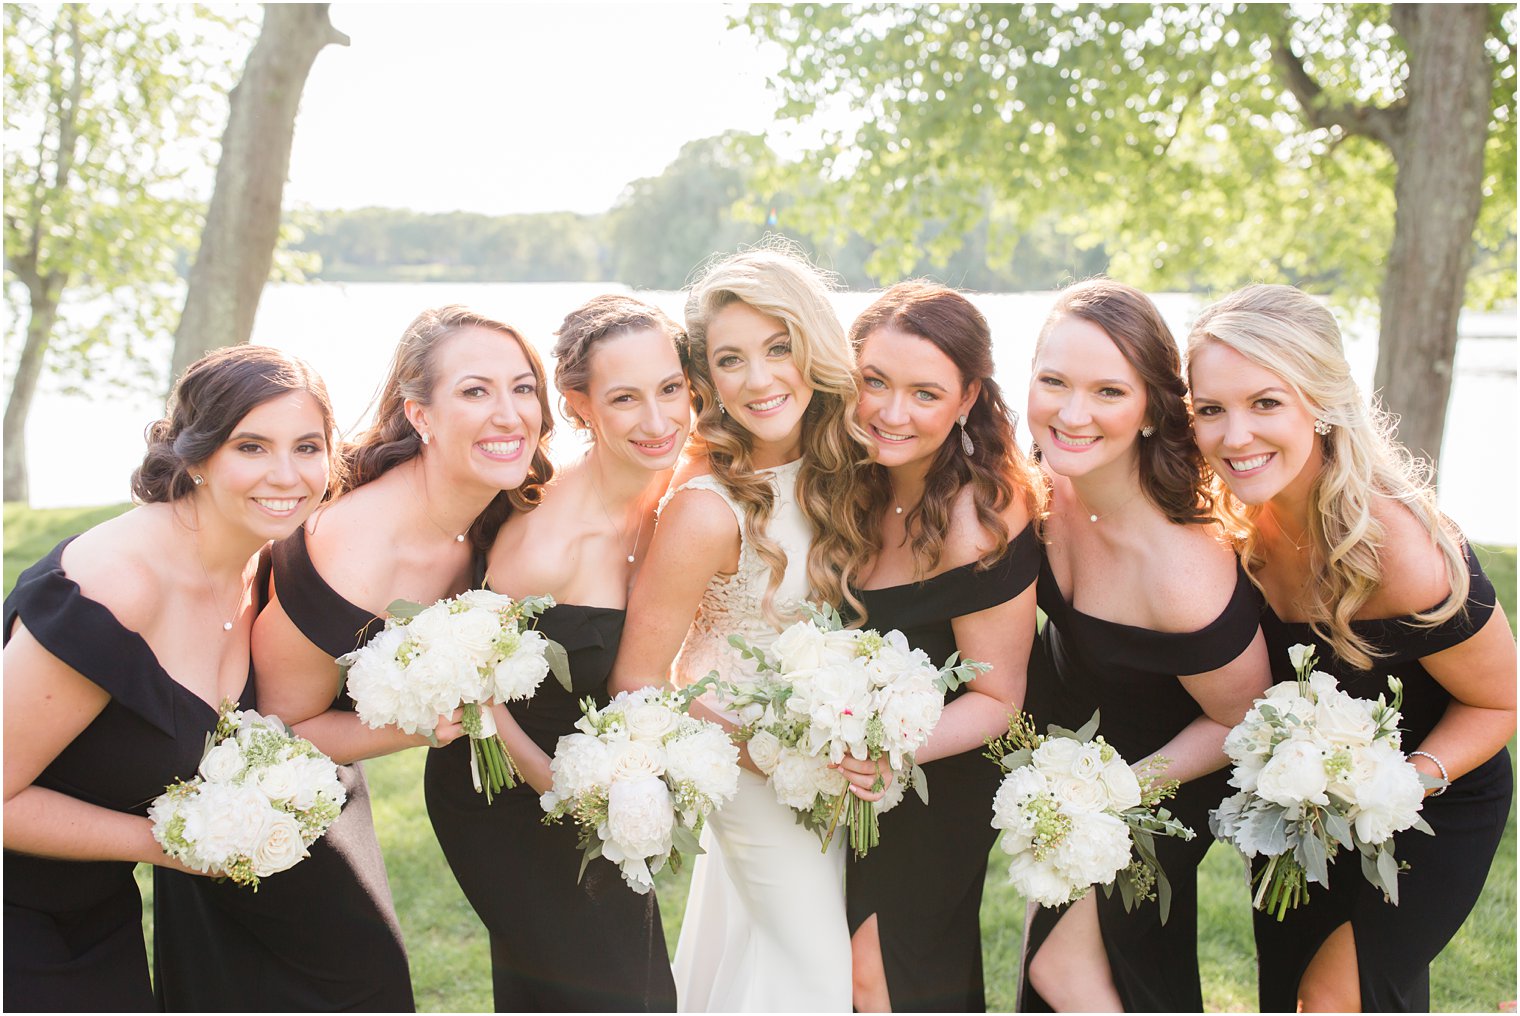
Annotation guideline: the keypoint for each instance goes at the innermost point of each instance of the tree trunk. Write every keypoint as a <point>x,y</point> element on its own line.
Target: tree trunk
<point>39,328</point>
<point>1438,190</point>
<point>243,220</point>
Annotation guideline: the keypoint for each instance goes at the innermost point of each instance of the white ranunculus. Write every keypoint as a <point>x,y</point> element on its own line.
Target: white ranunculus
<point>708,760</point>
<point>581,762</point>
<point>640,817</point>
<point>279,847</point>
<point>1121,783</point>
<point>764,750</point>
<point>1389,793</point>
<point>222,763</point>
<point>649,721</point>
<point>635,760</point>
<point>1295,774</point>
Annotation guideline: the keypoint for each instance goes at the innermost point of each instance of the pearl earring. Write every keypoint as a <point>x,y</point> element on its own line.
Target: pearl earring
<point>1322,428</point>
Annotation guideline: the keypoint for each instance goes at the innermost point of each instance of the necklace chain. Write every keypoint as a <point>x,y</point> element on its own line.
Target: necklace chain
<point>621,531</point>
<point>1093,516</point>
<point>211,587</point>
<point>421,503</point>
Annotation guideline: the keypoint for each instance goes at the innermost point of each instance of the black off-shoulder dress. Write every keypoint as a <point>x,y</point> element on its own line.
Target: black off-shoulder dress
<point>73,929</point>
<point>1082,663</point>
<point>557,945</point>
<point>322,936</point>
<point>923,881</point>
<point>1395,944</point>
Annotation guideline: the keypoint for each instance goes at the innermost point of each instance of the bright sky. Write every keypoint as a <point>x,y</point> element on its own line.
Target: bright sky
<point>517,107</point>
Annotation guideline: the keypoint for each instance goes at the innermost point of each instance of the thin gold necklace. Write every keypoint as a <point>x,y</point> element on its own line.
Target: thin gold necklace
<point>1095,517</point>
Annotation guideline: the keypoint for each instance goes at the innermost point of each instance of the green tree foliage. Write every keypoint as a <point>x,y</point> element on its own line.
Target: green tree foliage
<point>1200,145</point>
<point>106,109</point>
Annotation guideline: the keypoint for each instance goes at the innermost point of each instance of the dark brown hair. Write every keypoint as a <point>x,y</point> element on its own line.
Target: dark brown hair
<point>210,397</point>
<point>391,439</point>
<point>996,470</point>
<point>603,317</point>
<point>1172,470</point>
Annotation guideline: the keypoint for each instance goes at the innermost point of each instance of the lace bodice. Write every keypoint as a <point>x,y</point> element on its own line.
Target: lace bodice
<point>731,604</point>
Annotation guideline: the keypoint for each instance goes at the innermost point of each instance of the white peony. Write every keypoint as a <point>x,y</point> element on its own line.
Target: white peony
<point>519,675</point>
<point>1389,793</point>
<point>1295,774</point>
<point>279,845</point>
<point>222,763</point>
<point>222,820</point>
<point>1096,849</point>
<point>797,778</point>
<point>708,760</point>
<point>581,762</point>
<point>1038,881</point>
<point>640,819</point>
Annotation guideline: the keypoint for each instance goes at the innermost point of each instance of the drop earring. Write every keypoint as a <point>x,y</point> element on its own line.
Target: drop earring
<point>966,446</point>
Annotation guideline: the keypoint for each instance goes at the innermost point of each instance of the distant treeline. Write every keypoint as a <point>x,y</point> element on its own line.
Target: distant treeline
<point>661,227</point>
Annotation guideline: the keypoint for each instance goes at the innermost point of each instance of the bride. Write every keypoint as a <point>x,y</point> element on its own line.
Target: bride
<point>745,535</point>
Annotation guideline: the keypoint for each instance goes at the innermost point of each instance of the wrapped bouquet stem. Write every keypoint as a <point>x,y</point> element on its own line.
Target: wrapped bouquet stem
<point>465,652</point>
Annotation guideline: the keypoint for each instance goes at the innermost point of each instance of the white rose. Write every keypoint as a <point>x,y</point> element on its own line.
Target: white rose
<point>279,782</point>
<point>1121,783</point>
<point>764,750</point>
<point>800,647</point>
<point>1344,721</point>
<point>1077,795</point>
<point>222,763</point>
<point>485,599</point>
<point>225,821</point>
<point>433,626</point>
<point>581,762</point>
<point>1056,755</point>
<point>649,721</point>
<point>1389,794</point>
<point>640,818</point>
<point>1295,774</point>
<point>636,760</point>
<point>476,632</point>
<point>279,847</point>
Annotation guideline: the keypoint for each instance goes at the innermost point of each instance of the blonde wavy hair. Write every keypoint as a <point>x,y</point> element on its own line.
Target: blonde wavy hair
<point>776,278</point>
<point>1289,333</point>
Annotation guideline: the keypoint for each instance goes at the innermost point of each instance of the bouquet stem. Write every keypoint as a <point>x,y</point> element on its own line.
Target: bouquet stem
<point>491,765</point>
<point>865,829</point>
<point>1280,886</point>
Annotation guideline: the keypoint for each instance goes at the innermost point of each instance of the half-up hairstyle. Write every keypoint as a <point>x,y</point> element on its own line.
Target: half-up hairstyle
<point>1291,334</point>
<point>209,399</point>
<point>391,439</point>
<point>1173,473</point>
<point>777,279</point>
<point>603,317</point>
<point>997,471</point>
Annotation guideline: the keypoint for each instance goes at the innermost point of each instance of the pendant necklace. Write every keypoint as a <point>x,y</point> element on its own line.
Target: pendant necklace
<point>211,587</point>
<point>1093,516</point>
<point>622,532</point>
<point>457,537</point>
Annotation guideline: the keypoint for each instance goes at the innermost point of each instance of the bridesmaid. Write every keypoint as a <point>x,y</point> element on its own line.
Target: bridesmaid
<point>457,445</point>
<point>752,528</point>
<point>952,565</point>
<point>618,367</point>
<point>1342,534</point>
<point>1149,620</point>
<point>121,644</point>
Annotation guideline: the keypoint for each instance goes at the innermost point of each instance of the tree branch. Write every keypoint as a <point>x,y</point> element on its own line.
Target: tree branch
<point>1381,123</point>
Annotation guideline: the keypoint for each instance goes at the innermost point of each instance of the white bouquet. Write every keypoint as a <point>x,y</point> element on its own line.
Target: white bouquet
<point>823,692</point>
<point>1074,815</point>
<point>262,796</point>
<point>466,651</point>
<point>1318,771</point>
<point>639,778</point>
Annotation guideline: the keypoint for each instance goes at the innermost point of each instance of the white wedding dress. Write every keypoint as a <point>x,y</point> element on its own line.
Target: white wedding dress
<point>765,927</point>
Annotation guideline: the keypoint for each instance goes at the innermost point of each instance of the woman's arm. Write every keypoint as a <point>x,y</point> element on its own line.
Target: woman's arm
<point>47,705</point>
<point>696,538</point>
<point>1224,695</point>
<point>298,682</point>
<point>1480,676</point>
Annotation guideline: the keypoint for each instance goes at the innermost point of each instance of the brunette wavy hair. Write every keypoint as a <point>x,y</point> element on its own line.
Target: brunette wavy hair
<point>997,471</point>
<point>209,399</point>
<point>391,439</point>
<point>1173,473</point>
<point>775,278</point>
<point>1291,334</point>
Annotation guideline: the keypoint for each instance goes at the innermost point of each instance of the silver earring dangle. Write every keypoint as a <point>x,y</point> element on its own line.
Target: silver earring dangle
<point>197,479</point>
<point>1147,430</point>
<point>966,446</point>
<point>1322,427</point>
<point>722,409</point>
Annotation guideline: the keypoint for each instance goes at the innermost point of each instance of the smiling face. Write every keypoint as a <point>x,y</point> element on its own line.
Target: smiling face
<point>911,395</point>
<point>483,417</point>
<point>1253,429</point>
<point>636,399</point>
<point>1086,401</point>
<point>272,470</point>
<point>749,356</point>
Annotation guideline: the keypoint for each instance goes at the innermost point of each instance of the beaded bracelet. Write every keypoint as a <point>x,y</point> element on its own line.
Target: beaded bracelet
<point>1445,780</point>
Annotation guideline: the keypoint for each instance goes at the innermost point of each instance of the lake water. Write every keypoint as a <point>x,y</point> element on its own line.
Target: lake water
<point>82,449</point>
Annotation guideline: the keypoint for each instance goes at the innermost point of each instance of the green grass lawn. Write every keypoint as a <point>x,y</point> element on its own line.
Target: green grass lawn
<point>451,964</point>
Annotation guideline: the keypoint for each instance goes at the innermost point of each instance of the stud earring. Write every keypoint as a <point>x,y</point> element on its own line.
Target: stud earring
<point>1322,427</point>
<point>425,437</point>
<point>1147,430</point>
<point>966,446</point>
<point>197,479</point>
